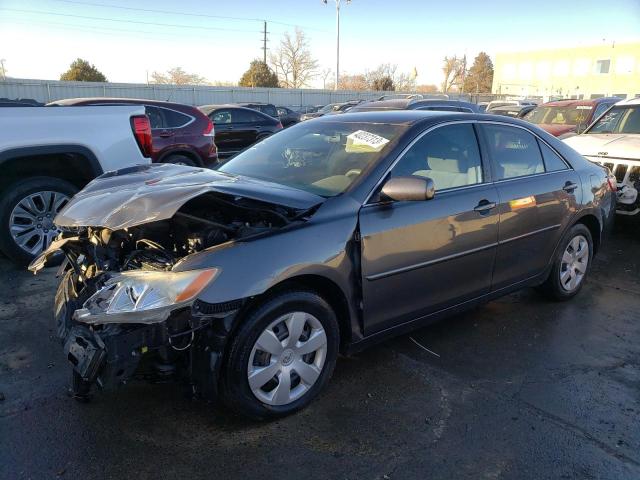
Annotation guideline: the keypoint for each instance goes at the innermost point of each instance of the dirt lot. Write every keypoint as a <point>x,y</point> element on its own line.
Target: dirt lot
<point>522,388</point>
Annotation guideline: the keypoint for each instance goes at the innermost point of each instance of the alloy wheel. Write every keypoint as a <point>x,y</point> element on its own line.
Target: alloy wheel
<point>287,358</point>
<point>31,221</point>
<point>575,261</point>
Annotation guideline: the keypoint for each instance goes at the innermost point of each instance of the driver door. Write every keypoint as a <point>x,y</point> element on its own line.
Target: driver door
<point>421,257</point>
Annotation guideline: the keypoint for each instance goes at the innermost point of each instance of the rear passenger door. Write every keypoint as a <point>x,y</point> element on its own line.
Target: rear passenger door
<point>537,192</point>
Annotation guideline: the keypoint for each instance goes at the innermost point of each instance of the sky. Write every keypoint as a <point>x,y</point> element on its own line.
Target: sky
<point>129,39</point>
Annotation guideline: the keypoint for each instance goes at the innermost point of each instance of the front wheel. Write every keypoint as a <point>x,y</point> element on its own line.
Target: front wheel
<point>282,355</point>
<point>570,265</point>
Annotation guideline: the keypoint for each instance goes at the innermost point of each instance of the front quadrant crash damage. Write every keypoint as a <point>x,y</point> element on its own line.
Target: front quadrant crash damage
<point>122,311</point>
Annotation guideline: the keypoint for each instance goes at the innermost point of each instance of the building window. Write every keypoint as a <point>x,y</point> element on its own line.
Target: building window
<point>602,66</point>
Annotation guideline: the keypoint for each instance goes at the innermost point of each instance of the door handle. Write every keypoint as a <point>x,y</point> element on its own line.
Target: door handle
<point>484,206</point>
<point>569,187</point>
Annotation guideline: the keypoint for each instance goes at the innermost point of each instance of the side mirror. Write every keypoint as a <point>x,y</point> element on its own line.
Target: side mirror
<point>408,189</point>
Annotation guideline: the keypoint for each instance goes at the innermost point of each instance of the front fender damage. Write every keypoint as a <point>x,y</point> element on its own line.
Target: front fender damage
<point>183,339</point>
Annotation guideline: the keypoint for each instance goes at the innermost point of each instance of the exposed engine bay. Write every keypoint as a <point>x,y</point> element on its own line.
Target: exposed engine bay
<point>122,313</point>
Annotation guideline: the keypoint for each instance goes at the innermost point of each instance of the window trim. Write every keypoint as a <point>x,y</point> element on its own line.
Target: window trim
<point>487,161</point>
<point>538,139</point>
<point>401,155</point>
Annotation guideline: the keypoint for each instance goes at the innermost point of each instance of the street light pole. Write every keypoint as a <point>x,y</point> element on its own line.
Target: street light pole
<point>337,39</point>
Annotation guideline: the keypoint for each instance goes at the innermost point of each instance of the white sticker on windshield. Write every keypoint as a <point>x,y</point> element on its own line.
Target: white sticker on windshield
<point>584,107</point>
<point>362,141</point>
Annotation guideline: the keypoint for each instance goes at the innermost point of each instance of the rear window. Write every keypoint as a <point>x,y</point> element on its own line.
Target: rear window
<point>559,115</point>
<point>269,110</point>
<point>174,119</point>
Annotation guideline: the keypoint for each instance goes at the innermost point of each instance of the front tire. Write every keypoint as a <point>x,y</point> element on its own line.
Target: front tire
<point>282,355</point>
<point>571,264</point>
<point>27,210</point>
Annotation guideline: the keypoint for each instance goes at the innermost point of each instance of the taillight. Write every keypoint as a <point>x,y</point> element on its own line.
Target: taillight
<point>142,131</point>
<point>208,130</point>
<point>279,125</point>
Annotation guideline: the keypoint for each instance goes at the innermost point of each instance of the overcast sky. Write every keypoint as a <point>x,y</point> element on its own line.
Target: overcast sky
<point>127,39</point>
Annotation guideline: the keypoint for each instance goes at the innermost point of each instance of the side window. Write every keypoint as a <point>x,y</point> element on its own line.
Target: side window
<point>552,161</point>
<point>173,119</point>
<point>242,116</point>
<point>269,110</point>
<point>514,151</point>
<point>449,156</point>
<point>221,116</point>
<point>600,109</point>
<point>156,118</point>
<point>282,112</point>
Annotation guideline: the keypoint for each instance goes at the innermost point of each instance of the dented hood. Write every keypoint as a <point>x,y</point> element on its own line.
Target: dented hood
<point>143,194</point>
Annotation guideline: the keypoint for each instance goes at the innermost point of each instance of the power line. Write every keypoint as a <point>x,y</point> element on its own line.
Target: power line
<point>187,14</point>
<point>106,19</point>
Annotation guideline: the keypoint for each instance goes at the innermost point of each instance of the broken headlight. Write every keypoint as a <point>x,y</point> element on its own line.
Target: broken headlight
<point>141,296</point>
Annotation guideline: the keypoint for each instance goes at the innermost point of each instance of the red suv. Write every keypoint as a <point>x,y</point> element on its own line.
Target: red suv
<point>181,134</point>
<point>568,116</point>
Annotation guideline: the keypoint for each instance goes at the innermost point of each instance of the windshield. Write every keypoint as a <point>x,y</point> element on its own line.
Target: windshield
<point>623,119</point>
<point>329,108</point>
<point>559,115</point>
<point>319,157</point>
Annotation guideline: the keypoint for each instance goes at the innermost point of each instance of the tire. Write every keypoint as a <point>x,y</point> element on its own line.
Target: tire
<point>41,233</point>
<point>558,285</point>
<point>244,357</point>
<point>180,160</point>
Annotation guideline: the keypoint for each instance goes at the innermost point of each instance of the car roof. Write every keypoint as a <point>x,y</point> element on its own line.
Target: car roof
<point>630,101</point>
<point>575,103</point>
<point>412,117</point>
<point>136,101</point>
<point>207,109</point>
<point>253,103</point>
<point>506,108</point>
<point>405,103</point>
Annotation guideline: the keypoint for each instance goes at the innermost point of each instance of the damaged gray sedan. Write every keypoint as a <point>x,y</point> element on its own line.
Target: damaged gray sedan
<point>245,283</point>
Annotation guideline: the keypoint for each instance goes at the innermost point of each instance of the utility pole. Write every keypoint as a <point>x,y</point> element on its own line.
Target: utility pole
<point>337,39</point>
<point>264,43</point>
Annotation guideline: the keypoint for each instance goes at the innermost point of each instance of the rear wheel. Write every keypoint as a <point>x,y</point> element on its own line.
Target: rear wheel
<point>571,264</point>
<point>27,211</point>
<point>282,356</point>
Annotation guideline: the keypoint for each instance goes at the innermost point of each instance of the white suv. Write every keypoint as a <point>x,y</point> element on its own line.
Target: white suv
<point>613,140</point>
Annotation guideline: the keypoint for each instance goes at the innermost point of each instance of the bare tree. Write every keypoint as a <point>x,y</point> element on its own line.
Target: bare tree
<point>386,75</point>
<point>325,74</point>
<point>453,70</point>
<point>293,62</point>
<point>353,82</point>
<point>177,76</point>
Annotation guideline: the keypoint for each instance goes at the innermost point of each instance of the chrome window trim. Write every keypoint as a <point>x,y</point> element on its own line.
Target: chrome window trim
<point>406,149</point>
<point>540,139</point>
<point>493,181</point>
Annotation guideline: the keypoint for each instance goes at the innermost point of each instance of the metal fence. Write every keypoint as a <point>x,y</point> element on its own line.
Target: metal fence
<point>49,90</point>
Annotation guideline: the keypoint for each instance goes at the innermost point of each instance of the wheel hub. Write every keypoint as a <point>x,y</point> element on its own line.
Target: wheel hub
<point>287,357</point>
